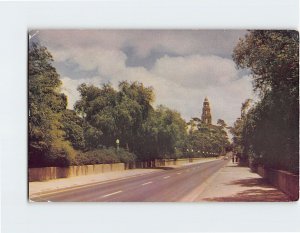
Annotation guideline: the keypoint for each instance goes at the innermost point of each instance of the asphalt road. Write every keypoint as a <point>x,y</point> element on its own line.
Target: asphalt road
<point>168,185</point>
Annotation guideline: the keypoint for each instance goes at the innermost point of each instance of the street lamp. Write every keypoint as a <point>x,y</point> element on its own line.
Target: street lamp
<point>118,143</point>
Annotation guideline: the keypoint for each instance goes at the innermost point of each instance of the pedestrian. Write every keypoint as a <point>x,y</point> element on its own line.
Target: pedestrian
<point>232,158</point>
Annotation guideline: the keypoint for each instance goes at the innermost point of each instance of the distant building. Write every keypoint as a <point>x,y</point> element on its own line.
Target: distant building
<point>206,115</point>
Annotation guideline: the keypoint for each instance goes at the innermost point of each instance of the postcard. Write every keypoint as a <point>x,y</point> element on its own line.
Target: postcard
<point>163,115</point>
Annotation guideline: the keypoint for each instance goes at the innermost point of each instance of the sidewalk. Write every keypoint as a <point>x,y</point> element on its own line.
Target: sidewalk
<point>78,181</point>
<point>238,184</point>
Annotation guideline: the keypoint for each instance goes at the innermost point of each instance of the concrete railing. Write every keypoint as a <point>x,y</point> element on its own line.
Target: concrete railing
<point>284,181</point>
<point>49,173</point>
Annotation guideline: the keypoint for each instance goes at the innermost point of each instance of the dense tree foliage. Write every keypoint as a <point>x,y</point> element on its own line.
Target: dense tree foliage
<point>73,126</point>
<point>163,134</point>
<point>206,140</point>
<point>127,114</point>
<point>47,144</point>
<point>268,132</point>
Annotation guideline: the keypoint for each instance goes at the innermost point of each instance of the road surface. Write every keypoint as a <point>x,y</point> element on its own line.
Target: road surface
<point>169,185</point>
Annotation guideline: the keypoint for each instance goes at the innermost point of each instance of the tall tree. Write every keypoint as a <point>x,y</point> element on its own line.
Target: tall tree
<point>46,106</point>
<point>270,129</point>
<point>272,57</point>
<point>163,134</point>
<point>115,114</point>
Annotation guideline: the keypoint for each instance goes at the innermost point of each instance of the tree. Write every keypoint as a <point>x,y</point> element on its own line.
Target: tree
<point>270,128</point>
<point>245,107</point>
<point>46,105</point>
<point>163,134</point>
<point>221,123</point>
<point>272,57</point>
<point>73,127</point>
<point>115,114</point>
<point>133,109</point>
<point>237,129</point>
<point>207,140</point>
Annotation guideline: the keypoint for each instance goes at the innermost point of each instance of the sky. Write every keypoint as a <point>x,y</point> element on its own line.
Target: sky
<point>183,66</point>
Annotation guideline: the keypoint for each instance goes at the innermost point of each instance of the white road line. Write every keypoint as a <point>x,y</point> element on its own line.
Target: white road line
<point>178,173</point>
<point>107,195</point>
<point>166,177</point>
<point>147,183</point>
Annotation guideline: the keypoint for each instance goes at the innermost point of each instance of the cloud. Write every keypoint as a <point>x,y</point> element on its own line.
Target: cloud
<point>190,65</point>
<point>196,71</point>
<point>180,42</point>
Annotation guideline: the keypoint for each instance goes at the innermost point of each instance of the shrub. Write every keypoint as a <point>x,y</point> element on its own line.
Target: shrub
<point>100,156</point>
<point>61,154</point>
<point>125,156</point>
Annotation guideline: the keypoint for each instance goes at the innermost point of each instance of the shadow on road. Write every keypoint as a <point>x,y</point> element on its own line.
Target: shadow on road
<point>259,191</point>
<point>251,182</point>
<point>253,195</point>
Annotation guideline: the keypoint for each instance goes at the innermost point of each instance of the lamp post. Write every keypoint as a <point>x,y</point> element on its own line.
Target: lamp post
<point>118,143</point>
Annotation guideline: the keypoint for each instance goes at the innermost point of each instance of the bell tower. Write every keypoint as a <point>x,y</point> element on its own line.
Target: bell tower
<point>206,115</point>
